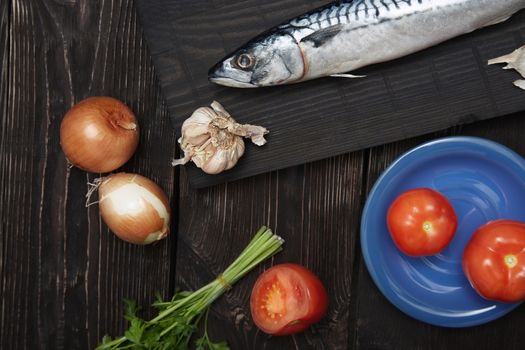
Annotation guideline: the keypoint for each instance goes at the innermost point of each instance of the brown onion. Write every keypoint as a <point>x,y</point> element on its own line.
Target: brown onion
<point>134,208</point>
<point>99,134</point>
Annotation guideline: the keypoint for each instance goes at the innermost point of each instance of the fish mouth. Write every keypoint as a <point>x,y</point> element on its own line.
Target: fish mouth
<point>224,81</point>
<point>223,73</point>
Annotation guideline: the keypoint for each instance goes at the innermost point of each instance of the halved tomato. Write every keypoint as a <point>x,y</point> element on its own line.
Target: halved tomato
<point>287,299</point>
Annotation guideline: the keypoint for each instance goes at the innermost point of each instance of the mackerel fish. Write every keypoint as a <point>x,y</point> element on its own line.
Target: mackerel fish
<point>346,35</point>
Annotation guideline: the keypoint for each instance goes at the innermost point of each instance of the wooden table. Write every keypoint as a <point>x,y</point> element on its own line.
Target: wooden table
<point>64,275</point>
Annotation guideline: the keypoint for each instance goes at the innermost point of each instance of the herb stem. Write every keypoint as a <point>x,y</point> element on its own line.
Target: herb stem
<point>178,319</point>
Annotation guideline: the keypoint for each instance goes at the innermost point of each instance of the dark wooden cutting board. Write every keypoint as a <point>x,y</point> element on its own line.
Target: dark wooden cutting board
<point>446,85</point>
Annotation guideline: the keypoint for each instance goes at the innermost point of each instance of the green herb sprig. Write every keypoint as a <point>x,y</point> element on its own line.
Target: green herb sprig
<point>179,318</point>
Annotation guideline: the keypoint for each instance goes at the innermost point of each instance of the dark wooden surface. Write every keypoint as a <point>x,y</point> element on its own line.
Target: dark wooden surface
<point>64,275</point>
<point>437,88</point>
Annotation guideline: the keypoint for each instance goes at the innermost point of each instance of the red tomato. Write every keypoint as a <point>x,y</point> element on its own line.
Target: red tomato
<point>421,222</point>
<point>287,299</point>
<point>494,260</point>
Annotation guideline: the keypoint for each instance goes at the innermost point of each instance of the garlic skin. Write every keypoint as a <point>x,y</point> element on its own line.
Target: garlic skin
<point>213,140</point>
<point>515,60</point>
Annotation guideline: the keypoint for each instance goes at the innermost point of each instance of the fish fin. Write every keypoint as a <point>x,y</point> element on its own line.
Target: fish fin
<point>497,20</point>
<point>347,76</point>
<point>520,84</point>
<point>322,36</point>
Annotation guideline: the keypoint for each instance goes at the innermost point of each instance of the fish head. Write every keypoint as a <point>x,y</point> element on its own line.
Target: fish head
<point>271,59</point>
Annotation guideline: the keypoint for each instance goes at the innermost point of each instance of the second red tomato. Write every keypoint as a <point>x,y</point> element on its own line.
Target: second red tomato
<point>494,261</point>
<point>421,222</point>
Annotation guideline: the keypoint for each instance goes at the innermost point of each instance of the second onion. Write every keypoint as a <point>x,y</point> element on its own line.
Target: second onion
<point>134,208</point>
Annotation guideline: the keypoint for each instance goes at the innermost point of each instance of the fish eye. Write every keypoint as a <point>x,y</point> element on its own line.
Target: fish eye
<point>244,61</point>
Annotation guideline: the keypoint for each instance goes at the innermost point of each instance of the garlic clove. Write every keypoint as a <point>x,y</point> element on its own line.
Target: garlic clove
<point>202,115</point>
<point>195,128</point>
<point>195,136</point>
<point>239,151</point>
<point>221,159</point>
<point>217,107</point>
<point>219,162</point>
<point>202,154</point>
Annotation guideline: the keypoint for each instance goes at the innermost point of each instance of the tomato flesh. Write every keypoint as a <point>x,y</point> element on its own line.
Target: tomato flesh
<point>287,299</point>
<point>421,222</point>
<point>494,261</point>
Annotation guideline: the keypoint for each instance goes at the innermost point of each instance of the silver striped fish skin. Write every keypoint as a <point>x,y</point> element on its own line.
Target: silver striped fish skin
<point>347,35</point>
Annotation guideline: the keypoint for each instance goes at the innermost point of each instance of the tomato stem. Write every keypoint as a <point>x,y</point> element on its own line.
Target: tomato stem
<point>427,227</point>
<point>510,260</point>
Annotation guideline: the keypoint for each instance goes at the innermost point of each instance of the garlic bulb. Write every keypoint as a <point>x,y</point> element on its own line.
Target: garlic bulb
<point>515,60</point>
<point>212,139</point>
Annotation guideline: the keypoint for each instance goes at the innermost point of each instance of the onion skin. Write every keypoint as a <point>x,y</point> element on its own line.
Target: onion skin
<point>99,134</point>
<point>135,208</point>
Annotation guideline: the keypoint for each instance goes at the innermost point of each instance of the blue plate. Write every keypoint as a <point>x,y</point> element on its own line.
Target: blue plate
<point>484,181</point>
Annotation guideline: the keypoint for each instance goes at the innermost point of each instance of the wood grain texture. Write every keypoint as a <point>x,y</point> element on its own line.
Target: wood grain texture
<point>446,85</point>
<point>64,275</point>
<point>314,207</point>
<point>4,93</point>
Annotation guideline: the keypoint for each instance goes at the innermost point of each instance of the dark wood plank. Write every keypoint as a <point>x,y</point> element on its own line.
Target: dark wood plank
<point>398,99</point>
<point>379,325</point>
<point>313,207</point>
<point>4,93</point>
<point>64,275</point>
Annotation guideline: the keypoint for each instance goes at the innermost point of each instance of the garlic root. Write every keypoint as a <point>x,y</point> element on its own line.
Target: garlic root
<point>212,139</point>
<point>515,60</point>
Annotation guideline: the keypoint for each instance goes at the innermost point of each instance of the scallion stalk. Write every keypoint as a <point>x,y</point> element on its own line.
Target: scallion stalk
<point>179,318</point>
